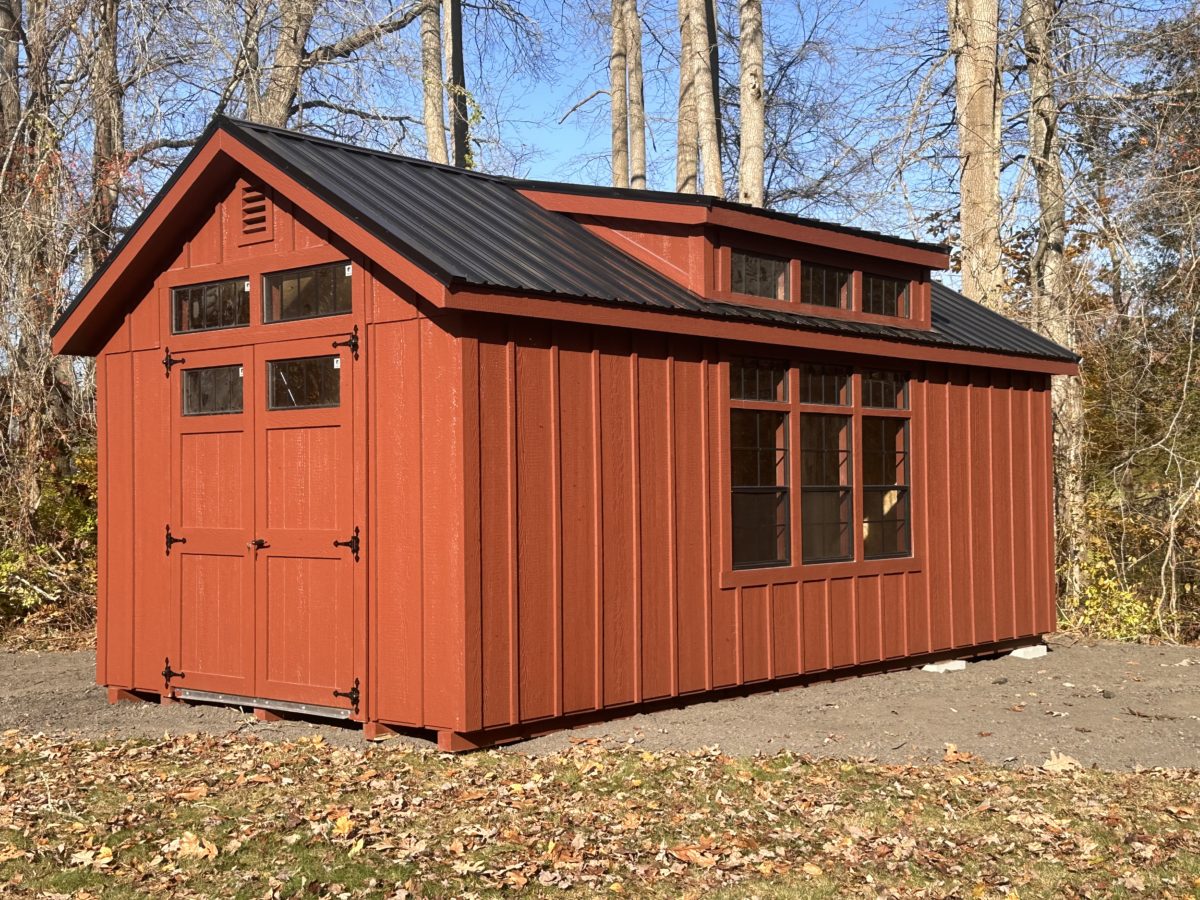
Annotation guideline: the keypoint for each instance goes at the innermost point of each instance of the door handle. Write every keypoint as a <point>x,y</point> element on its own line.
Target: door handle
<point>257,544</point>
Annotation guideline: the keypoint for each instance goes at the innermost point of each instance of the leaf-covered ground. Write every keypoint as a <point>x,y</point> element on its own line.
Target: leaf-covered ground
<point>239,817</point>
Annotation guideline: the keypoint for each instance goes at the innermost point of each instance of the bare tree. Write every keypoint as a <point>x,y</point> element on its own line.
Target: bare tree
<point>687,158</point>
<point>459,120</point>
<point>635,95</point>
<point>704,41</point>
<point>974,36</point>
<point>432,81</point>
<point>618,74</point>
<point>752,108</point>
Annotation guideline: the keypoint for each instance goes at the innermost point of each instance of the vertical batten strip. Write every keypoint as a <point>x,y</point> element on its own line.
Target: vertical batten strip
<point>556,523</point>
<point>598,512</point>
<point>514,649</point>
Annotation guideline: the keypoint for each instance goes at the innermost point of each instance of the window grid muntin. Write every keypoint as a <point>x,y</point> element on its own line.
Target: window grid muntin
<point>226,302</point>
<point>883,295</point>
<point>827,286</point>
<point>884,389</point>
<point>827,469</point>
<point>761,380</point>
<point>886,471</point>
<point>759,460</point>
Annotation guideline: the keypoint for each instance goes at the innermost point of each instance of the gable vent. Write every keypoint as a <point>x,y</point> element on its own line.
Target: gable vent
<point>255,212</point>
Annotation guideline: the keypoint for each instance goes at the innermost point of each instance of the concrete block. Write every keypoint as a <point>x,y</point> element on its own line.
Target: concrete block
<point>1034,651</point>
<point>953,665</point>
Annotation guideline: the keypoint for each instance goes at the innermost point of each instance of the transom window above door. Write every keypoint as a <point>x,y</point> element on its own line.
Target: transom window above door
<point>207,307</point>
<point>307,293</point>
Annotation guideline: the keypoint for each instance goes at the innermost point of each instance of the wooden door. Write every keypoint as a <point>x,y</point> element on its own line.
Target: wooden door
<point>304,509</point>
<point>212,520</point>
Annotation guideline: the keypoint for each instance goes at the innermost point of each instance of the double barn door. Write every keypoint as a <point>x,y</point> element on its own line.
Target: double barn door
<point>262,540</point>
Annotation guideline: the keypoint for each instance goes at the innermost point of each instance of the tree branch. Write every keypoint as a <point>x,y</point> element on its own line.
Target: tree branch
<point>352,43</point>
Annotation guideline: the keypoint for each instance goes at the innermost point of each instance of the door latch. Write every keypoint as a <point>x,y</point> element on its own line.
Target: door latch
<point>169,361</point>
<point>168,673</point>
<point>257,544</point>
<point>351,342</point>
<point>353,543</point>
<point>352,695</point>
<point>171,539</point>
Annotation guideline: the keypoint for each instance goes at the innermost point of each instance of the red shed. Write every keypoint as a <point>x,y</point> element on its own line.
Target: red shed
<point>419,447</point>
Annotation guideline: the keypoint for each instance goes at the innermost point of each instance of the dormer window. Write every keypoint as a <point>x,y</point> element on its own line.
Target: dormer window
<point>825,286</point>
<point>759,276</point>
<point>883,296</point>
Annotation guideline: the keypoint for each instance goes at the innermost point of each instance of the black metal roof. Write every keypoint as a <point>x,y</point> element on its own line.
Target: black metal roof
<point>474,229</point>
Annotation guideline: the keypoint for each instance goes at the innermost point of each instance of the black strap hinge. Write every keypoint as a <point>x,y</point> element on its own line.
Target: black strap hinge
<point>168,673</point>
<point>172,540</point>
<point>352,695</point>
<point>169,361</point>
<point>351,342</point>
<point>354,543</point>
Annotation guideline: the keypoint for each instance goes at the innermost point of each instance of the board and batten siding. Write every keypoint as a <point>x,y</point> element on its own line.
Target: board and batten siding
<point>596,507</point>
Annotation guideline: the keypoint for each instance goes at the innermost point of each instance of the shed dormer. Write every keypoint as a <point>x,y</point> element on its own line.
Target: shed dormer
<point>730,253</point>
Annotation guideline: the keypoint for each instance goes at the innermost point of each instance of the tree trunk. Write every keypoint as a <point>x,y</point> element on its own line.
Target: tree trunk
<point>10,85</point>
<point>704,81</point>
<point>687,159</point>
<point>750,91</point>
<point>618,73</point>
<point>433,82</point>
<point>973,27</point>
<point>460,130</point>
<point>1053,314</point>
<point>636,96</point>
<point>108,121</point>
<point>287,64</point>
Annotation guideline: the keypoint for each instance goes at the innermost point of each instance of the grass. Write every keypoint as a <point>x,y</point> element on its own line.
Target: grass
<point>239,817</point>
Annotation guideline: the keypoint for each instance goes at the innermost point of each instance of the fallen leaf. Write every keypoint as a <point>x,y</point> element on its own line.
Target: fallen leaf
<point>1060,762</point>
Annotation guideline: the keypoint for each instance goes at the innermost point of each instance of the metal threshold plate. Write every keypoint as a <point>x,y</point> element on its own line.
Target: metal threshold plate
<point>306,709</point>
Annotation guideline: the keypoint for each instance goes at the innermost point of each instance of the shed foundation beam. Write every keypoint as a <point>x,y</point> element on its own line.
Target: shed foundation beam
<point>121,695</point>
<point>458,742</point>
<point>266,715</point>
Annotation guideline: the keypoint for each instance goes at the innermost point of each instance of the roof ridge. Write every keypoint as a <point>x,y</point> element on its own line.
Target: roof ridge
<point>246,124</point>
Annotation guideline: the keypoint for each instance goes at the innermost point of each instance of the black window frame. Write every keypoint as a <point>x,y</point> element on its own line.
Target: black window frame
<point>297,273</point>
<point>902,487</point>
<point>188,377</point>
<point>243,284</point>
<point>270,375</point>
<point>806,270</point>
<point>903,298</point>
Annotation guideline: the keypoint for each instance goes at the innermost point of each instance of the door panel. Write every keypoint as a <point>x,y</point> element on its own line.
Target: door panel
<point>304,503</point>
<point>212,511</point>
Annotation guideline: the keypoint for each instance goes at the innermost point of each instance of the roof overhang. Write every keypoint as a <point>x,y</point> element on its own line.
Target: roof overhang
<point>219,156</point>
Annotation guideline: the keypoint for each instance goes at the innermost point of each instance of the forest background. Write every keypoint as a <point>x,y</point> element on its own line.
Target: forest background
<point>1054,144</point>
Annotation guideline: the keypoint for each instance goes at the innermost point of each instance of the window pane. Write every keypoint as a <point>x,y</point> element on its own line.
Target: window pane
<point>885,296</point>
<point>758,460</point>
<point>212,391</point>
<point>885,487</point>
<point>885,390</point>
<point>304,383</point>
<point>761,276</point>
<point>828,385</point>
<point>824,286</point>
<point>758,379</point>
<point>825,534</point>
<point>204,307</point>
<point>307,293</point>
<point>826,487</point>
<point>760,528</point>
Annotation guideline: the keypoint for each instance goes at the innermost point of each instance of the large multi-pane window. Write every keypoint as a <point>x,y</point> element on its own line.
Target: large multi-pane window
<point>853,463</point>
<point>761,276</point>
<point>758,448</point>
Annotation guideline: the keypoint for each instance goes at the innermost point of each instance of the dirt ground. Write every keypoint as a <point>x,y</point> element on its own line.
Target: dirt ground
<point>1116,706</point>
